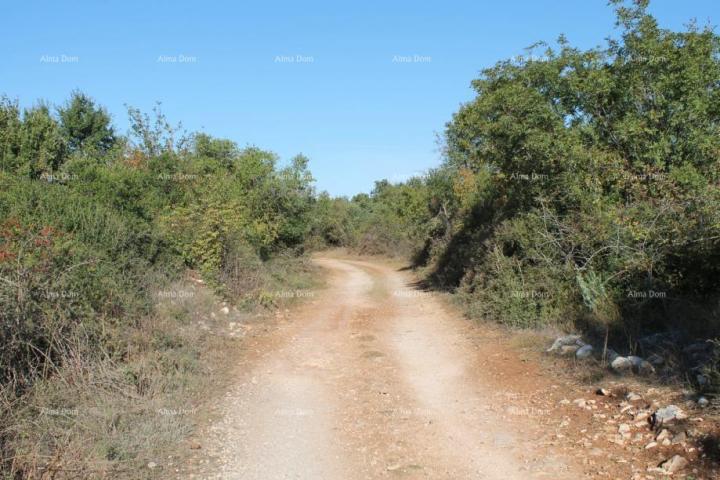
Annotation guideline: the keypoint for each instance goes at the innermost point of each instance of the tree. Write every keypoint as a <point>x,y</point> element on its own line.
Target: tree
<point>157,136</point>
<point>42,146</point>
<point>86,126</point>
<point>221,150</point>
<point>10,129</point>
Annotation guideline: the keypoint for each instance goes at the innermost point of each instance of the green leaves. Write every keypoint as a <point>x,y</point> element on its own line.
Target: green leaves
<point>38,143</point>
<point>42,146</point>
<point>85,126</point>
<point>127,213</point>
<point>574,166</point>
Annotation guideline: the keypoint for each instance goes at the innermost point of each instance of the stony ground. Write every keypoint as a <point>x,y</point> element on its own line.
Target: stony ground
<point>374,378</point>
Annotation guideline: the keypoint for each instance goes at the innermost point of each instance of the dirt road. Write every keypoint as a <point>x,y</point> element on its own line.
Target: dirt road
<point>374,378</point>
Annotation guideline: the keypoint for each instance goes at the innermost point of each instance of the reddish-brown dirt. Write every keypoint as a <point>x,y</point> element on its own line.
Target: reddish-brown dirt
<point>373,378</point>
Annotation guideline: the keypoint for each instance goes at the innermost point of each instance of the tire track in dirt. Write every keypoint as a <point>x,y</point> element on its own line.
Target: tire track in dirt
<point>373,379</point>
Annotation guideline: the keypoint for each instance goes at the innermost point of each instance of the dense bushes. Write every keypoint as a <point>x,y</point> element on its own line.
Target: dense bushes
<point>93,223</point>
<point>91,219</point>
<point>580,187</point>
<point>605,171</point>
<point>390,220</point>
<point>69,266</point>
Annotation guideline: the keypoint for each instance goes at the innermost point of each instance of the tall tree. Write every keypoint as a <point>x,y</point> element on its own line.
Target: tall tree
<point>86,126</point>
<point>42,146</point>
<point>10,129</point>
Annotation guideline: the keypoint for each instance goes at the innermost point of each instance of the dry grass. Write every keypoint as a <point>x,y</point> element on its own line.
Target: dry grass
<point>109,418</point>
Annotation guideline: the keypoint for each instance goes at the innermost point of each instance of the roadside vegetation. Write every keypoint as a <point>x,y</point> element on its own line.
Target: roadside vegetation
<point>94,227</point>
<point>579,191</point>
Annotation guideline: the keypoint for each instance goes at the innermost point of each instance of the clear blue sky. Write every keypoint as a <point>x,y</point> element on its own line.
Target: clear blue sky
<point>358,115</point>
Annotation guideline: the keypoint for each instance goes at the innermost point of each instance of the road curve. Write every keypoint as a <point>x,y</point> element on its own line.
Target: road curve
<point>374,378</point>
